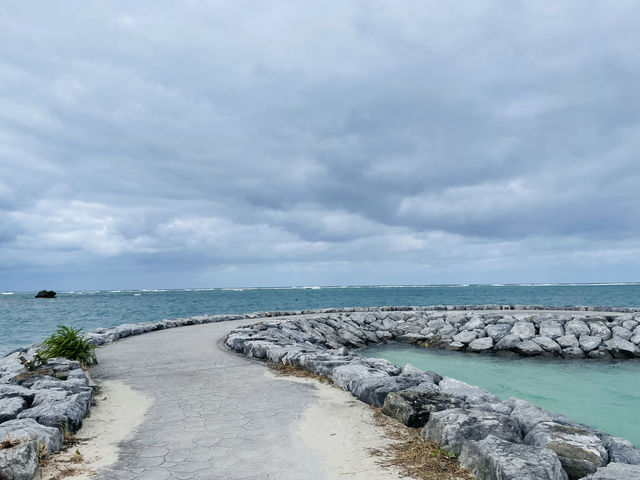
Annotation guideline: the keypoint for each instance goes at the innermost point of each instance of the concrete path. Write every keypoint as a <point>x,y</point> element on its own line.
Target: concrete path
<point>215,414</point>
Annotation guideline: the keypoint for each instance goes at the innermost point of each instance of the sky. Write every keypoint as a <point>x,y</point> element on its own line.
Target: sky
<point>164,144</point>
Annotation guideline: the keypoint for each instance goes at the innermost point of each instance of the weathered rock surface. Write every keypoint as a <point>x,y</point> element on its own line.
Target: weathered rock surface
<point>480,345</point>
<point>11,407</point>
<point>452,429</point>
<point>493,458</point>
<point>413,408</point>
<point>580,451</point>
<point>616,471</point>
<point>29,429</point>
<point>19,462</point>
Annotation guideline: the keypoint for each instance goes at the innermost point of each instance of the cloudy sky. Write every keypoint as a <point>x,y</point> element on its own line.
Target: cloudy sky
<point>171,144</point>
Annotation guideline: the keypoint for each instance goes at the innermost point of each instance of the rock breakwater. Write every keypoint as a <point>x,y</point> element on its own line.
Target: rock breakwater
<point>494,439</point>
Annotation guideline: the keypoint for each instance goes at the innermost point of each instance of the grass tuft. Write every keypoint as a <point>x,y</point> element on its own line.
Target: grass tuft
<point>68,343</point>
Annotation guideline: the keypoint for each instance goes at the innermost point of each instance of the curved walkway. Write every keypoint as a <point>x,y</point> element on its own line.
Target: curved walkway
<point>215,414</point>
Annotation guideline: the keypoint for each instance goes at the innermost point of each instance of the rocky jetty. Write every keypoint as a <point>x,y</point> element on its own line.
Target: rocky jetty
<point>493,439</point>
<point>37,408</point>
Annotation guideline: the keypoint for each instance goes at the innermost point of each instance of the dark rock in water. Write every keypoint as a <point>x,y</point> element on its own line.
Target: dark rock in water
<point>19,462</point>
<point>580,451</point>
<point>46,294</point>
<point>497,459</point>
<point>456,427</point>
<point>616,471</point>
<point>413,408</point>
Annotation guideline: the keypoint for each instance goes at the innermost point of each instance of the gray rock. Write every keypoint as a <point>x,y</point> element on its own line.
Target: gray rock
<point>473,324</point>
<point>580,451</point>
<point>577,328</point>
<point>497,331</point>
<point>465,337</point>
<point>8,390</point>
<point>495,459</point>
<point>572,352</point>
<point>635,339</point>
<point>551,329</point>
<point>630,324</point>
<point>19,462</point>
<point>524,330</point>
<point>11,407</point>
<point>508,342</point>
<point>621,332</point>
<point>413,408</point>
<point>527,414</point>
<point>66,414</point>
<point>589,342</point>
<point>481,345</point>
<point>456,346</point>
<point>374,390</point>
<point>423,375</point>
<point>621,450</point>
<point>599,329</point>
<point>621,348</point>
<point>453,428</point>
<point>29,429</point>
<point>548,345</point>
<point>568,341</point>
<point>528,348</point>
<point>463,390</point>
<point>616,471</point>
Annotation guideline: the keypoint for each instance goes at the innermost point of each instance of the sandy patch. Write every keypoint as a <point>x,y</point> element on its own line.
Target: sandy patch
<point>119,410</point>
<point>342,432</point>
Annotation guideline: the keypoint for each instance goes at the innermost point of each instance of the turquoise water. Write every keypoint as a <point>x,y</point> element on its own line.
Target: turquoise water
<point>602,394</point>
<point>25,320</point>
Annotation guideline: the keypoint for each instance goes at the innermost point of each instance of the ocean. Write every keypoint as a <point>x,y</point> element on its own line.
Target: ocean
<point>25,320</point>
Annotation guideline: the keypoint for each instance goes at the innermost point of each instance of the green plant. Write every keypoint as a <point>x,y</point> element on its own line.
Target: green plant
<point>68,343</point>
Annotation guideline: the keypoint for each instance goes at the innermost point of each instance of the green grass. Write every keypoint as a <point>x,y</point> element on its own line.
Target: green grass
<point>68,343</point>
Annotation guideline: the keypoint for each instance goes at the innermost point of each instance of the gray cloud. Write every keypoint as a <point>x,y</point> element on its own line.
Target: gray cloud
<point>318,143</point>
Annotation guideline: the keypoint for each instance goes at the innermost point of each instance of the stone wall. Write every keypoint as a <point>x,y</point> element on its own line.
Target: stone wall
<point>494,439</point>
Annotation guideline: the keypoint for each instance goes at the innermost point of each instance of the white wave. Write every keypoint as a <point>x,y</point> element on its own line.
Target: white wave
<point>115,291</point>
<point>7,293</point>
<point>137,294</point>
<point>233,289</point>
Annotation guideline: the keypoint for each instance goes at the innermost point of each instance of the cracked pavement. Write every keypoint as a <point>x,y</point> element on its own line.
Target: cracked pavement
<point>215,414</point>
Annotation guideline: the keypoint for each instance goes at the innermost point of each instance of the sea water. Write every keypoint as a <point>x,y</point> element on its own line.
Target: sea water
<point>602,394</point>
<point>25,320</point>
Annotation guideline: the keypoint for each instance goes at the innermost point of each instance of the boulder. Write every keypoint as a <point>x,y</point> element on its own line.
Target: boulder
<point>451,429</point>
<point>527,414</point>
<point>495,459</point>
<point>474,323</point>
<point>498,330</point>
<point>46,294</point>
<point>568,341</point>
<point>19,462</point>
<point>620,348</point>
<point>599,329</point>
<point>616,471</point>
<point>528,348</point>
<point>551,329</point>
<point>481,345</point>
<point>28,429</point>
<point>463,390</point>
<point>524,330</point>
<point>580,451</point>
<point>413,408</point>
<point>508,342</point>
<point>8,390</point>
<point>621,450</point>
<point>577,328</point>
<point>465,336</point>
<point>548,345</point>
<point>66,414</point>
<point>11,407</point>
<point>621,332</point>
<point>589,342</point>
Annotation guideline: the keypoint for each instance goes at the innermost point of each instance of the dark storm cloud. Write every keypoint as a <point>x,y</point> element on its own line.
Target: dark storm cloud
<point>454,142</point>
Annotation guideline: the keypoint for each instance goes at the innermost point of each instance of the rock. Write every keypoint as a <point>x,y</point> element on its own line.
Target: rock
<point>630,324</point>
<point>481,345</point>
<point>19,462</point>
<point>568,341</point>
<point>413,408</point>
<point>453,428</point>
<point>620,348</point>
<point>589,342</point>
<point>635,339</point>
<point>28,429</point>
<point>572,352</point>
<point>465,336</point>
<point>11,407</point>
<point>551,329</point>
<point>580,451</point>
<point>621,450</point>
<point>26,379</point>
<point>423,375</point>
<point>577,328</point>
<point>524,330</point>
<point>65,415</point>
<point>527,414</point>
<point>616,471</point>
<point>599,329</point>
<point>455,346</point>
<point>473,324</point>
<point>463,390</point>
<point>495,459</point>
<point>508,342</point>
<point>497,331</point>
<point>548,345</point>
<point>528,348</point>
<point>374,391</point>
<point>621,332</point>
<point>12,391</point>
<point>46,294</point>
